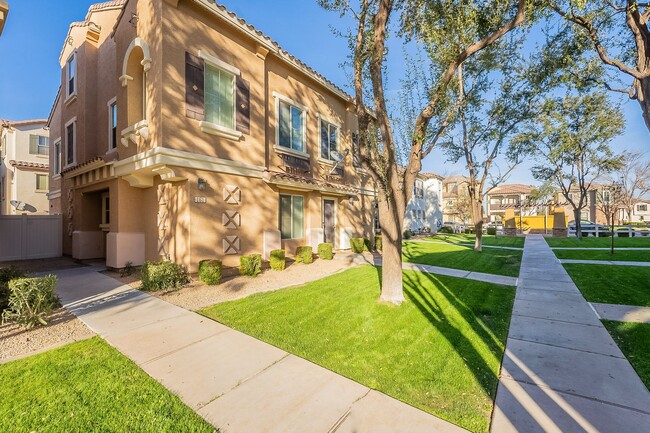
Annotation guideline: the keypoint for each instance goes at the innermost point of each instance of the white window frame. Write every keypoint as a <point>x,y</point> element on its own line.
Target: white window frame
<point>73,122</point>
<point>38,145</point>
<point>213,128</point>
<point>109,105</point>
<point>57,155</point>
<point>323,119</point>
<point>68,94</point>
<point>281,149</point>
<point>280,216</point>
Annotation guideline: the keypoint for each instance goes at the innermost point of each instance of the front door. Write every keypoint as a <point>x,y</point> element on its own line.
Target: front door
<point>328,221</point>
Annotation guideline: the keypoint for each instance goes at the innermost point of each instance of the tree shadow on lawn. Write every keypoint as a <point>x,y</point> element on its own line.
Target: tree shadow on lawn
<point>466,342</point>
<point>506,262</point>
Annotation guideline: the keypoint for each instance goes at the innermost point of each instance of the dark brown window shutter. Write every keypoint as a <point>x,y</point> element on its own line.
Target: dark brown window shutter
<point>194,86</point>
<point>243,101</point>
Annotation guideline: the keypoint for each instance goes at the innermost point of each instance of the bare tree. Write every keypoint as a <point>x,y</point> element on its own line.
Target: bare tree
<point>450,33</point>
<point>634,179</point>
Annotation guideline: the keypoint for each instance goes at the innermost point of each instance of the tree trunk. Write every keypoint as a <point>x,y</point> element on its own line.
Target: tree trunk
<point>391,219</point>
<point>477,218</point>
<point>643,96</point>
<point>576,218</point>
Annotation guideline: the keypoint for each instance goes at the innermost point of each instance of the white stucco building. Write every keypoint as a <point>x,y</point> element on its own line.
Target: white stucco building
<point>424,210</point>
<point>24,155</point>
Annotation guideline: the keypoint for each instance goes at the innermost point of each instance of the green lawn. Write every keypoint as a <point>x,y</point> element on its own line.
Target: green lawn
<point>627,285</point>
<point>88,387</point>
<point>502,241</point>
<point>619,255</point>
<point>440,351</point>
<point>490,260</point>
<point>593,242</point>
<point>634,341</point>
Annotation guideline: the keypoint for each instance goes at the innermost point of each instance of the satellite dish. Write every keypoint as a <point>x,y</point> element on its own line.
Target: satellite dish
<point>19,205</point>
<point>336,155</point>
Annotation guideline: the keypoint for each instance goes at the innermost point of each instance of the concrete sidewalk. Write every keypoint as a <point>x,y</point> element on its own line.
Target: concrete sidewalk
<point>367,258</point>
<point>562,372</point>
<point>622,313</point>
<point>603,262</point>
<point>237,383</point>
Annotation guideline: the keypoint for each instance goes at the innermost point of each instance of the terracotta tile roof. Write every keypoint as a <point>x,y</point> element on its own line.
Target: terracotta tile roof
<point>515,188</point>
<point>429,175</point>
<point>12,123</point>
<point>107,5</point>
<point>278,177</point>
<point>28,164</point>
<point>74,167</point>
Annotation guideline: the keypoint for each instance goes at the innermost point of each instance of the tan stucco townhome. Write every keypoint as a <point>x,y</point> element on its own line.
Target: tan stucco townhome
<point>181,131</point>
<point>24,157</point>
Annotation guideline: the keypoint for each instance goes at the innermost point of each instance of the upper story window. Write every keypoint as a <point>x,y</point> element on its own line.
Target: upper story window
<point>418,190</point>
<point>70,142</point>
<point>291,125</point>
<point>57,157</point>
<point>329,138</point>
<point>39,145</point>
<point>642,207</point>
<point>112,124</point>
<point>219,97</point>
<point>71,75</point>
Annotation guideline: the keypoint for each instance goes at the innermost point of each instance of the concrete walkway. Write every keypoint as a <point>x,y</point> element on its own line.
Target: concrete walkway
<point>603,262</point>
<point>237,383</point>
<point>602,249</point>
<point>622,313</point>
<point>367,258</point>
<point>561,371</point>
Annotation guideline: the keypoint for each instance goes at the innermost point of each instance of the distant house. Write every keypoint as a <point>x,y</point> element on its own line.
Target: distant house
<point>424,210</point>
<point>590,210</point>
<point>509,196</point>
<point>640,212</point>
<point>454,194</point>
<point>24,153</point>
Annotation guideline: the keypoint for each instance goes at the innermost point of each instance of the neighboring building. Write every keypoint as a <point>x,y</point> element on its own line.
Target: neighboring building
<point>4,11</point>
<point>181,131</point>
<point>590,210</point>
<point>641,212</point>
<point>455,198</point>
<point>424,210</point>
<point>24,153</point>
<point>509,196</point>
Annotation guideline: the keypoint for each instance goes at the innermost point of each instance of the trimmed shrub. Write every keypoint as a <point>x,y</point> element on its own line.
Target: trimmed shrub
<point>325,251</point>
<point>304,255</point>
<point>163,275</point>
<point>378,244</point>
<point>357,245</point>
<point>407,234</point>
<point>492,231</point>
<point>6,275</point>
<point>210,271</point>
<point>278,260</point>
<point>250,265</point>
<point>30,300</point>
<point>446,229</point>
<point>367,245</point>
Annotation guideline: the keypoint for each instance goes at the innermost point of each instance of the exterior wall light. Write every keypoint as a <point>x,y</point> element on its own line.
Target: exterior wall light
<point>202,184</point>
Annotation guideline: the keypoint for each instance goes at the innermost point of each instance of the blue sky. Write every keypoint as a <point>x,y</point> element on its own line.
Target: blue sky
<point>35,32</point>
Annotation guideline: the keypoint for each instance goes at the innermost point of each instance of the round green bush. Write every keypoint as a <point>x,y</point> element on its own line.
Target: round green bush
<point>210,271</point>
<point>446,229</point>
<point>163,275</point>
<point>304,255</point>
<point>278,260</point>
<point>378,244</point>
<point>325,251</point>
<point>407,234</point>
<point>357,245</point>
<point>31,300</point>
<point>250,265</point>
